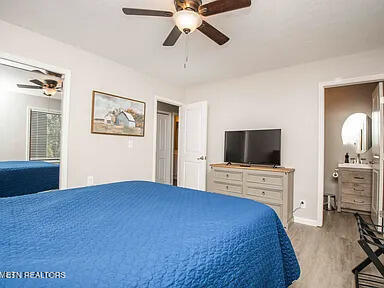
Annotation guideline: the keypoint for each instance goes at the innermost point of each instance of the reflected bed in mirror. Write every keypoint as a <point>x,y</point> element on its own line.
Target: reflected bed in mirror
<point>356,132</point>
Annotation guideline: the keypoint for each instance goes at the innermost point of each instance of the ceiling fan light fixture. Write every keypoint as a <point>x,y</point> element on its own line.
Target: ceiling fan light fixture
<point>187,21</point>
<point>49,91</point>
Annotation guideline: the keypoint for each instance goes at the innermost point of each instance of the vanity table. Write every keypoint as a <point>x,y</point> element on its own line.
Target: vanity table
<point>355,188</point>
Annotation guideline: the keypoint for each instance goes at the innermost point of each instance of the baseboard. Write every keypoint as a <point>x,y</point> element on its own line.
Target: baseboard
<point>305,221</point>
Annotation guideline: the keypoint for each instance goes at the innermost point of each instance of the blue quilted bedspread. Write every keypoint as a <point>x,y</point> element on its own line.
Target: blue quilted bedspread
<point>142,234</point>
<point>26,177</point>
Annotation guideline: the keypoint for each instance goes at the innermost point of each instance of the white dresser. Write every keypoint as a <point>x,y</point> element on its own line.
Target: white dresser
<point>271,186</point>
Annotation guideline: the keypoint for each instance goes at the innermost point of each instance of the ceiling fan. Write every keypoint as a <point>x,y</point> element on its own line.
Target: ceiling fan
<point>49,86</point>
<point>189,17</point>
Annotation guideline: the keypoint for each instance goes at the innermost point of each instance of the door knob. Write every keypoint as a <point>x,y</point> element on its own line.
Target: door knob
<point>201,158</point>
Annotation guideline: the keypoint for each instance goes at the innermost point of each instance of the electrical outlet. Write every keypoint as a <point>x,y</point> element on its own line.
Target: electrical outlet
<point>302,203</point>
<point>89,180</point>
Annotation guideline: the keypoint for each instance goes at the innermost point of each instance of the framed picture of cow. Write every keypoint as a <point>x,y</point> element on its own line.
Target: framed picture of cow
<point>116,115</point>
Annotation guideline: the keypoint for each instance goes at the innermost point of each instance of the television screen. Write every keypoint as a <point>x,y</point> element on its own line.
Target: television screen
<point>260,147</point>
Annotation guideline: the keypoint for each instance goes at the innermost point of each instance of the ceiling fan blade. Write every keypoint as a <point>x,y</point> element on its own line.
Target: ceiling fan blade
<point>221,6</point>
<point>58,75</point>
<point>47,72</point>
<point>213,33</point>
<point>37,82</point>
<point>29,86</point>
<point>146,12</point>
<point>172,37</point>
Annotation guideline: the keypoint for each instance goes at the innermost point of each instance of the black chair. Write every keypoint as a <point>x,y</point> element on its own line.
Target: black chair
<point>369,237</point>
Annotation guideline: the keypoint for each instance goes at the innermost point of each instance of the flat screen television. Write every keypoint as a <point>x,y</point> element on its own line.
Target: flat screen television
<point>258,147</point>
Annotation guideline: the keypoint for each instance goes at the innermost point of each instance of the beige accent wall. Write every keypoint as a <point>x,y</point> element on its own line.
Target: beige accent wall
<point>340,103</point>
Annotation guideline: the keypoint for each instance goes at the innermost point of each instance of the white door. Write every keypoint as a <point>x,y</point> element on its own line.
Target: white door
<point>193,145</point>
<point>163,148</point>
<point>377,151</point>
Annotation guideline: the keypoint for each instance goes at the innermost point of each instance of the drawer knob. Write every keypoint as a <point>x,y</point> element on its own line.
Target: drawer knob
<point>227,175</point>
<point>263,179</point>
<point>226,187</point>
<point>360,202</point>
<point>263,193</point>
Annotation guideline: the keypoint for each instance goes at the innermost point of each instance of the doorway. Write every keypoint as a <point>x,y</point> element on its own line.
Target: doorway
<point>167,143</point>
<point>189,163</point>
<point>356,112</point>
<point>34,116</point>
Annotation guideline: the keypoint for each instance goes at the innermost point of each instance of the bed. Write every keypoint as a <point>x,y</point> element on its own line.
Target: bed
<point>26,177</point>
<point>143,234</point>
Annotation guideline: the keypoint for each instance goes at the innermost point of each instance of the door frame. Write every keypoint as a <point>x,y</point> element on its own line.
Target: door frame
<point>171,102</point>
<point>5,59</point>
<point>322,86</point>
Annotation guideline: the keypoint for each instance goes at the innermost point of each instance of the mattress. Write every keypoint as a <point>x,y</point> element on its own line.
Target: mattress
<point>26,177</point>
<point>142,234</point>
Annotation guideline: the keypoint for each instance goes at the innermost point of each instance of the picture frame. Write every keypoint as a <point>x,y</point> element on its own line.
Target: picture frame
<point>117,115</point>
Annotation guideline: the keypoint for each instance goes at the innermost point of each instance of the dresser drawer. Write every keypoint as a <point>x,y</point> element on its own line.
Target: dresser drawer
<point>262,192</point>
<point>230,175</point>
<point>277,208</point>
<point>359,189</point>
<point>228,187</point>
<point>264,179</point>
<point>357,176</point>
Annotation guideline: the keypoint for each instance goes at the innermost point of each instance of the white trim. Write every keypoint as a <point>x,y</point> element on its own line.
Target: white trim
<point>320,174</point>
<point>164,100</point>
<point>305,221</point>
<point>5,59</point>
<point>172,143</point>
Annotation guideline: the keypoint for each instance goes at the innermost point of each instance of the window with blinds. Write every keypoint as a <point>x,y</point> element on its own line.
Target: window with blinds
<point>44,136</point>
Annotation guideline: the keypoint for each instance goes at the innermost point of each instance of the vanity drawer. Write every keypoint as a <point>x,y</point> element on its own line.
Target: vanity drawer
<point>356,202</point>
<point>265,193</point>
<point>357,176</point>
<point>264,179</point>
<point>230,175</point>
<point>358,207</point>
<point>359,189</point>
<point>228,187</point>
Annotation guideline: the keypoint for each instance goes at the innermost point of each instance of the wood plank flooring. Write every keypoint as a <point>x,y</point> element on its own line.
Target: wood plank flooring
<point>327,255</point>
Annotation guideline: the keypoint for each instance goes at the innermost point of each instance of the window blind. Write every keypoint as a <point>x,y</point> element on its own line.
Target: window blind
<point>45,130</point>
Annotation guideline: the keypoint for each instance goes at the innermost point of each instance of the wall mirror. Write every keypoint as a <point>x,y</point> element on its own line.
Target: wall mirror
<point>356,132</point>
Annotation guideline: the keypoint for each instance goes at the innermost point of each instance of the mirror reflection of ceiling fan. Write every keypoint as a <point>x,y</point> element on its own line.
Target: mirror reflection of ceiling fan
<point>189,17</point>
<point>49,86</point>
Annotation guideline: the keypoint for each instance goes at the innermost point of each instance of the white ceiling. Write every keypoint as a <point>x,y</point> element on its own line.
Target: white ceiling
<point>10,77</point>
<point>270,34</point>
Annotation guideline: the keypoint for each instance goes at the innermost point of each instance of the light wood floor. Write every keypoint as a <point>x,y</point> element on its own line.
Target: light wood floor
<point>327,255</point>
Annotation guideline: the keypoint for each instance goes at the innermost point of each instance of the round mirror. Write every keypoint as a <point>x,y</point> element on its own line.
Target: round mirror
<point>356,132</point>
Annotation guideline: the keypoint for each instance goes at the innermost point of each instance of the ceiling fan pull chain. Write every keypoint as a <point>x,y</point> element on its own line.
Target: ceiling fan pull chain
<point>186,51</point>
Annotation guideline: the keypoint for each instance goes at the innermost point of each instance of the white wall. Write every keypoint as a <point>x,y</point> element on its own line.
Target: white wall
<point>287,99</point>
<point>105,157</point>
<point>13,122</point>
